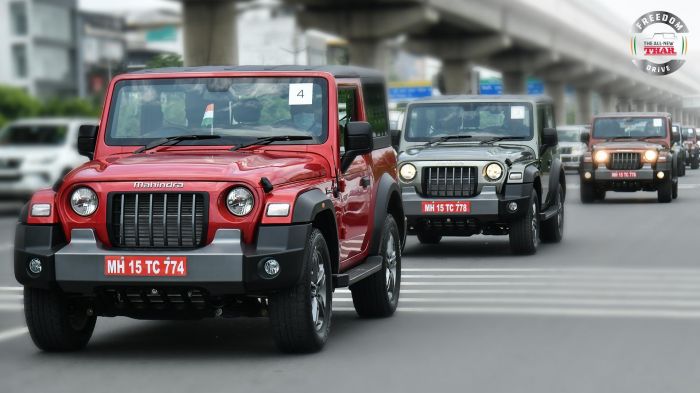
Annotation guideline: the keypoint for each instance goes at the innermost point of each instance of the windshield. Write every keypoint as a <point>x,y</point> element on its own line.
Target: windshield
<point>236,109</point>
<point>478,120</point>
<point>33,135</point>
<point>569,135</point>
<point>629,127</point>
<point>688,133</point>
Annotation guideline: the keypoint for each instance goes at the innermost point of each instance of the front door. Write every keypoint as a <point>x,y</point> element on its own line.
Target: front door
<point>545,120</point>
<point>355,193</point>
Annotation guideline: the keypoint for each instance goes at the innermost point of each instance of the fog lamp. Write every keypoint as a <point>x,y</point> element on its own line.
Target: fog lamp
<point>587,175</point>
<point>35,266</point>
<point>512,207</point>
<point>660,175</point>
<point>272,267</point>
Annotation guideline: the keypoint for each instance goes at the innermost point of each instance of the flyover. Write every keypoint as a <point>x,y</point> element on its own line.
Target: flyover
<point>568,43</point>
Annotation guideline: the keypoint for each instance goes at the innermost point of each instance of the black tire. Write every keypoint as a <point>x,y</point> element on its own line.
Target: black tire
<point>588,194</point>
<point>681,168</point>
<point>524,233</point>
<point>292,312</point>
<point>695,163</point>
<point>56,323</point>
<point>428,238</point>
<point>665,191</point>
<point>675,189</point>
<point>600,195</point>
<point>552,230</point>
<point>377,296</point>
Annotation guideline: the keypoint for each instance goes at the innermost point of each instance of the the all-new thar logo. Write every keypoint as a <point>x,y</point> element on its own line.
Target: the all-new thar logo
<point>659,42</point>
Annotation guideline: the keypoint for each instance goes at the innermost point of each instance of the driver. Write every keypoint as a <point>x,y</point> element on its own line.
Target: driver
<point>307,118</point>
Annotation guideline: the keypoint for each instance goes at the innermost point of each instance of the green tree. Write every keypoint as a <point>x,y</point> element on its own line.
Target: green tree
<point>15,103</point>
<point>165,60</point>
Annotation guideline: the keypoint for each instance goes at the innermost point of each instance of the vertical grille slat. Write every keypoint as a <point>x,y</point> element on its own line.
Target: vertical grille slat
<point>450,181</point>
<point>147,220</point>
<point>625,161</point>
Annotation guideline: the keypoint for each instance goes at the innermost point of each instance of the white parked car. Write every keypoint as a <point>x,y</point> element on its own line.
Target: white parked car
<point>571,148</point>
<point>36,153</point>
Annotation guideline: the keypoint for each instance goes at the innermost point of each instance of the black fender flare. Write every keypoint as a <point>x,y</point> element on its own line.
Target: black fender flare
<point>309,203</point>
<point>386,187</point>
<point>556,176</point>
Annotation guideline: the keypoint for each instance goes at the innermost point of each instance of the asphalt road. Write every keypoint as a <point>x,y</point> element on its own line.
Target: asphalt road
<point>614,308</point>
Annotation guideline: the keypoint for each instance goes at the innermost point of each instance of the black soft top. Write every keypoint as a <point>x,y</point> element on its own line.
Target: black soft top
<point>336,70</point>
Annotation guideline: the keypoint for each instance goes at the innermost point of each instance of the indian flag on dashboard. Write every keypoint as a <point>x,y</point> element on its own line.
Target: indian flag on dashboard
<point>208,119</point>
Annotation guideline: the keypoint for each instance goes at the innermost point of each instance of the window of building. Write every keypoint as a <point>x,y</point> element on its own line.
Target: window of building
<point>19,60</point>
<point>18,17</point>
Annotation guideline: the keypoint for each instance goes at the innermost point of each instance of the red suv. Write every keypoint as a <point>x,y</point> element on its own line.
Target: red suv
<point>220,192</point>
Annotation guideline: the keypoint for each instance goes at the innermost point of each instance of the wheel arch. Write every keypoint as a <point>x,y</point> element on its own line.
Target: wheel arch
<point>388,201</point>
<point>315,207</point>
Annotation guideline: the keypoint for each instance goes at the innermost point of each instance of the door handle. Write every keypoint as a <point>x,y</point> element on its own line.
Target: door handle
<point>365,182</point>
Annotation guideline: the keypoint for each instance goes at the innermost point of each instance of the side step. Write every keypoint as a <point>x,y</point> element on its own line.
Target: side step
<point>372,265</point>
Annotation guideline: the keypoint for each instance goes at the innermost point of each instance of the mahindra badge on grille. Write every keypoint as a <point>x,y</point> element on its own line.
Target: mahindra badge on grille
<point>155,184</point>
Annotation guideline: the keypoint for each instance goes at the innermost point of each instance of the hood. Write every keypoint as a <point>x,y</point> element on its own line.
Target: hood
<point>465,152</point>
<point>278,166</point>
<point>628,145</point>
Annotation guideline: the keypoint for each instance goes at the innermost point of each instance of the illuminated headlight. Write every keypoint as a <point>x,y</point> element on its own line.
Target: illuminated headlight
<point>493,171</point>
<point>651,155</point>
<point>239,201</point>
<point>601,156</point>
<point>407,172</point>
<point>83,201</point>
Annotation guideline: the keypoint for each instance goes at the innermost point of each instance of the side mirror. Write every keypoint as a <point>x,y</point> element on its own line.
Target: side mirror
<point>585,137</point>
<point>87,140</point>
<point>550,137</point>
<point>358,141</point>
<point>395,138</point>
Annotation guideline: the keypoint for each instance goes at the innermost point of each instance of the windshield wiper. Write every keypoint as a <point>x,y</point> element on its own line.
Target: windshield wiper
<point>446,138</point>
<point>174,140</point>
<point>269,139</point>
<point>502,138</point>
<point>641,138</point>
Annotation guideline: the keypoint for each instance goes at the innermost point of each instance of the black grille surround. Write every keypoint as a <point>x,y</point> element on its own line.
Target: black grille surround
<point>449,181</point>
<point>165,220</point>
<point>625,161</point>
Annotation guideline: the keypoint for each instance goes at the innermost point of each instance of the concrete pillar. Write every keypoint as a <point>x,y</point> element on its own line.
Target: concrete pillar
<point>660,107</point>
<point>608,102</point>
<point>583,106</point>
<point>514,82</point>
<point>210,32</point>
<point>457,77</point>
<point>623,105</point>
<point>555,89</point>
<point>650,107</point>
<point>676,114</point>
<point>367,52</point>
<point>638,105</point>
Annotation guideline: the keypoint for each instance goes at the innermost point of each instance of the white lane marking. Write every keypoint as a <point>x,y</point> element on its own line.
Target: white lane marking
<point>598,293</point>
<point>11,296</point>
<point>19,289</point>
<point>5,246</point>
<point>542,301</point>
<point>555,283</point>
<point>570,276</point>
<point>11,307</point>
<point>13,333</point>
<point>600,270</point>
<point>546,311</point>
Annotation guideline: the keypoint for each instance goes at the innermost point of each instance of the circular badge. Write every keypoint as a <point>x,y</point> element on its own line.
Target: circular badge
<point>659,42</point>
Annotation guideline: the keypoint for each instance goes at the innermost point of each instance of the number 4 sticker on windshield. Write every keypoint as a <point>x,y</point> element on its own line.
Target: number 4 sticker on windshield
<point>301,93</point>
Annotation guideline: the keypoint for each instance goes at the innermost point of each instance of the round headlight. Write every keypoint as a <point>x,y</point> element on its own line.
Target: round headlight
<point>493,171</point>
<point>83,201</point>
<point>407,172</point>
<point>239,201</point>
<point>651,155</point>
<point>601,156</point>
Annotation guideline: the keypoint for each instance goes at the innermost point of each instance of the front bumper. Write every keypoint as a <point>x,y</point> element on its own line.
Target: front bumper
<point>14,184</point>
<point>225,267</point>
<point>623,180</point>
<point>487,210</point>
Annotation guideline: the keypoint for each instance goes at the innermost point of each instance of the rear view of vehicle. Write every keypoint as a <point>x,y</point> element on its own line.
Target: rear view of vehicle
<point>690,141</point>
<point>571,149</point>
<point>629,152</point>
<point>36,153</point>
